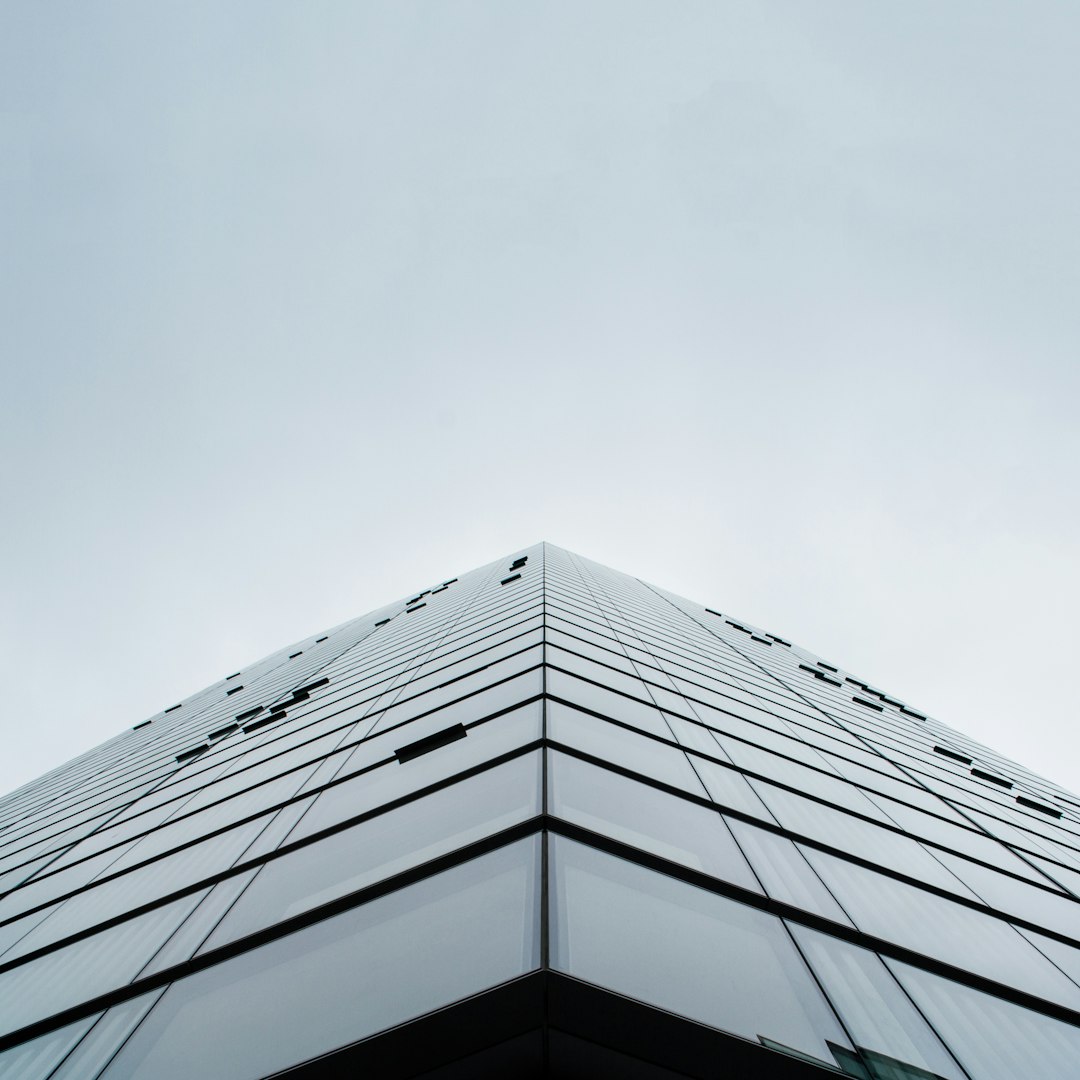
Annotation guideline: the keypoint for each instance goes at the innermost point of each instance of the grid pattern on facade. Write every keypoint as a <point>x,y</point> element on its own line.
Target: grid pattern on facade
<point>541,766</point>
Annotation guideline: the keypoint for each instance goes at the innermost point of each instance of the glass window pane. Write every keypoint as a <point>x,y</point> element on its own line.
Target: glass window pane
<point>873,1007</point>
<point>385,845</point>
<point>370,790</point>
<point>784,871</point>
<point>612,743</point>
<point>446,937</point>
<point>86,968</point>
<point>681,948</point>
<point>992,1039</point>
<point>105,1038</point>
<point>645,818</point>
<point>937,927</point>
<point>35,1060</point>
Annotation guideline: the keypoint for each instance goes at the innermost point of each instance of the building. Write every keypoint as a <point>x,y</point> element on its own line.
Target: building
<point>541,819</point>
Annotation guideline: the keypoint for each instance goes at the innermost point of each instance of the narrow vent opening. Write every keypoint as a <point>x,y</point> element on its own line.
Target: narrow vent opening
<point>431,742</point>
<point>867,704</point>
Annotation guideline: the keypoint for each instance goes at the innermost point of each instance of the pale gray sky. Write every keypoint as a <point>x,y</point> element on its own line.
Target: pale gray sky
<point>773,304</point>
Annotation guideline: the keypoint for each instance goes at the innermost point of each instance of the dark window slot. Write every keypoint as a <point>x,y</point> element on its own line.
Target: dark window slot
<point>911,712</point>
<point>827,667</point>
<point>318,639</point>
<point>431,742</point>
<point>867,704</point>
<point>382,622</point>
<point>780,640</point>
<point>143,724</point>
<point>416,599</point>
<point>247,714</point>
<point>889,701</point>
<point>228,729</point>
<point>807,667</point>
<point>234,675</point>
<point>1033,805</point>
<point>992,778</point>
<point>825,678</point>
<point>173,708</point>
<point>716,613</point>
<point>234,690</point>
<point>441,588</point>
<point>737,626</point>
<point>450,582</point>
<point>512,577</point>
<point>517,564</point>
<point>260,723</point>
<point>187,755</point>
<point>754,637</point>
<point>854,682</point>
<point>293,656</point>
<point>946,752</point>
<point>308,687</point>
<point>410,610</point>
<point>299,695</point>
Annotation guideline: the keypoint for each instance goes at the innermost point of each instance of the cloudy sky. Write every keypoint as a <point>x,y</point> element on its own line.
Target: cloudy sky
<point>304,306</point>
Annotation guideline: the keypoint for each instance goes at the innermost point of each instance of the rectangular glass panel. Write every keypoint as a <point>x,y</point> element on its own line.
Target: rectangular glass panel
<point>645,818</point>
<point>345,978</point>
<point>991,1038</point>
<point>385,845</point>
<point>684,949</point>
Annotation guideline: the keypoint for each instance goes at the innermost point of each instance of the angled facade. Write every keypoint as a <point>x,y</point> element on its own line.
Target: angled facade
<point>542,819</point>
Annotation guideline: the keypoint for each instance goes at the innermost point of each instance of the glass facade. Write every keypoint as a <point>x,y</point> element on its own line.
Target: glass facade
<point>689,831</point>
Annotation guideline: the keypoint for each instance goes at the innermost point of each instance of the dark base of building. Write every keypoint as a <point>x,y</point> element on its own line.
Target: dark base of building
<point>550,1025</point>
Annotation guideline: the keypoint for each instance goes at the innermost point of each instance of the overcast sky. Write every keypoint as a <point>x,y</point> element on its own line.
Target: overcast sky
<point>305,306</point>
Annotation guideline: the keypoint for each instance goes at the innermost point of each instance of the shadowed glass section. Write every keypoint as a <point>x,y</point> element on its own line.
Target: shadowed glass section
<point>342,979</point>
<point>681,948</point>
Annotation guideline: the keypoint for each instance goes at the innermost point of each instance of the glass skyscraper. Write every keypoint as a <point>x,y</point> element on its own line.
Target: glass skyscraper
<point>540,820</point>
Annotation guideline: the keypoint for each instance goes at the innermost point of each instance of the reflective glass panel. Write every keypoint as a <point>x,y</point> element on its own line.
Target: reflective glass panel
<point>347,977</point>
<point>684,949</point>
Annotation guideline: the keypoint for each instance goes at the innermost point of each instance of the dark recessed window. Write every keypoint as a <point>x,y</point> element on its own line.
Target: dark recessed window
<point>807,667</point>
<point>431,742</point>
<point>228,729</point>
<point>234,690</point>
<point>992,778</point>
<point>187,755</point>
<point>868,704</point>
<point>247,714</point>
<point>410,610</point>
<point>234,675</point>
<point>825,678</point>
<point>308,687</point>
<point>911,712</point>
<point>441,588</point>
<point>173,708</point>
<point>450,582</point>
<point>1033,805</point>
<point>507,580</point>
<point>293,656</point>
<point>946,752</point>
<point>711,612</point>
<point>382,622</point>
<point>262,723</point>
<point>318,639</point>
<point>827,667</point>
<point>754,637</point>
<point>143,724</point>
<point>737,626</point>
<point>780,640</point>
